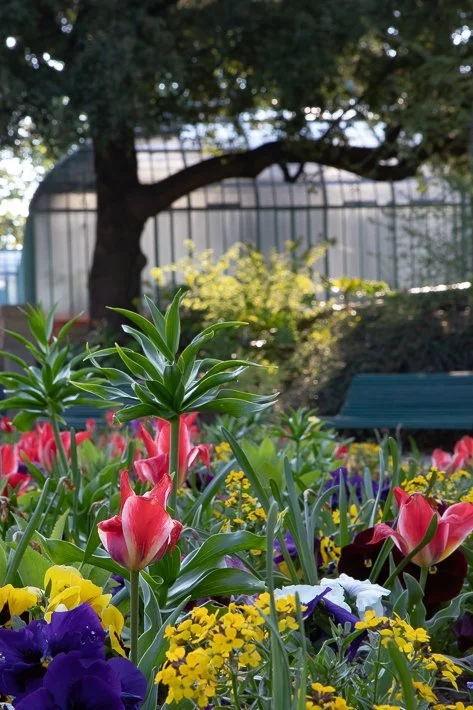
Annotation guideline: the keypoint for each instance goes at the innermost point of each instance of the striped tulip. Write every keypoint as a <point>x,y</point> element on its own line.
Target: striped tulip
<point>144,531</point>
<point>415,515</point>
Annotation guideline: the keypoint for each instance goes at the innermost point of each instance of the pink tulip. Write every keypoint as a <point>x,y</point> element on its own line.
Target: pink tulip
<point>158,449</point>
<point>415,515</point>
<point>144,531</point>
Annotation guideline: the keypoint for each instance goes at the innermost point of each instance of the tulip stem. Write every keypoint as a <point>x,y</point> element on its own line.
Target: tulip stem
<point>134,614</point>
<point>174,461</point>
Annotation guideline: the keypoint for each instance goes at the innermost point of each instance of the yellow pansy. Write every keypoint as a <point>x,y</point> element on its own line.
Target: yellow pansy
<point>113,622</point>
<point>69,588</point>
<point>18,600</point>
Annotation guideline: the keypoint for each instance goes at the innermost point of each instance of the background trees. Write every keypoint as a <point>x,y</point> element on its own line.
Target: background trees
<point>105,70</point>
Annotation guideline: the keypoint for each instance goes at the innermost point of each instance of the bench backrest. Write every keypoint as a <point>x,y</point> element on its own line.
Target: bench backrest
<point>410,392</point>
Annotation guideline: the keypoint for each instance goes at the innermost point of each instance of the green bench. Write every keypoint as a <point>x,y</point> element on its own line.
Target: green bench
<point>410,401</point>
<point>77,416</point>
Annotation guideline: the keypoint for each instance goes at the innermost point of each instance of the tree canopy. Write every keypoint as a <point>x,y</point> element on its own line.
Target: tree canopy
<point>105,70</point>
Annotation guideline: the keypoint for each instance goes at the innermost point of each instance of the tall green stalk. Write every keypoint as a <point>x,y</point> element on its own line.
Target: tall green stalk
<point>134,614</point>
<point>174,460</point>
<point>60,448</point>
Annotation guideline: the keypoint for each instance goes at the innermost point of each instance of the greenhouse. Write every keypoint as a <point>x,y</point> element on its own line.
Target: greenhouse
<point>409,234</point>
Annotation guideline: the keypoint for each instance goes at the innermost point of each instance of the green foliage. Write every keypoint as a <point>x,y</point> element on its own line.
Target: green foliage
<point>191,62</point>
<point>164,384</point>
<point>47,388</point>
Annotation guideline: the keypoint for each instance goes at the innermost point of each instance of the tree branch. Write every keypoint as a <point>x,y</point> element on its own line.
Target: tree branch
<point>378,163</point>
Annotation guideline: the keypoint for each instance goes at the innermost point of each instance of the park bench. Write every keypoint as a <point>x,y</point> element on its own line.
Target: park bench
<point>410,401</point>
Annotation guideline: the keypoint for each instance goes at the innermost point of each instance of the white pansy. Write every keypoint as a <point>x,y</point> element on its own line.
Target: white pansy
<point>366,595</point>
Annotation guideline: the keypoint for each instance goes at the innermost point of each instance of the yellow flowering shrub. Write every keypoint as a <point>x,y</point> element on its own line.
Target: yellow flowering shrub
<point>323,697</point>
<point>208,646</point>
<point>239,507</point>
<point>414,642</point>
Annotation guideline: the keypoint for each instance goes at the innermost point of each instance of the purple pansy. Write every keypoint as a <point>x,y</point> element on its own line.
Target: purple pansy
<point>355,483</point>
<point>72,682</point>
<point>24,652</point>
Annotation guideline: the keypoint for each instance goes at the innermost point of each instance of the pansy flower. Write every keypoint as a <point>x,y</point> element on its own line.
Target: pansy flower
<point>26,652</point>
<point>72,680</point>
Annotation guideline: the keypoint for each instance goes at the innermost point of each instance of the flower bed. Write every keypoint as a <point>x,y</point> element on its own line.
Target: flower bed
<point>254,562</point>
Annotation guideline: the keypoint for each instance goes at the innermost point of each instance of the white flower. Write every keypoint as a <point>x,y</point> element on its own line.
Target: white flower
<point>365,594</point>
<point>308,592</point>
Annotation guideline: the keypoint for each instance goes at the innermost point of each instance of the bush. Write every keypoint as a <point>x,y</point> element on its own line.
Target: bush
<point>402,332</point>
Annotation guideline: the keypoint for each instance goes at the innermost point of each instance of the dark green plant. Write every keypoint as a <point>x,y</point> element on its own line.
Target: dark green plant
<point>46,389</point>
<point>163,383</point>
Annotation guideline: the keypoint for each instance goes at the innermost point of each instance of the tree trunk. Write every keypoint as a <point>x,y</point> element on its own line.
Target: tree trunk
<point>118,261</point>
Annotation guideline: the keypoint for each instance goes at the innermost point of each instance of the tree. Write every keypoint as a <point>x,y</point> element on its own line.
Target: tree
<point>105,70</point>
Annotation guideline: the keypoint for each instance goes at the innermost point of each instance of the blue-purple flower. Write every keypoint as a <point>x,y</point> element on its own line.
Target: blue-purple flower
<point>73,681</point>
<point>25,653</point>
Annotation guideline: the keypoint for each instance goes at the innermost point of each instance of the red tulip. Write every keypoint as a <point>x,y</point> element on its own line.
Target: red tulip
<point>341,452</point>
<point>143,531</point>
<point>415,515</point>
<point>464,449</point>
<point>47,449</point>
<point>10,475</point>
<point>159,448</point>
<point>447,462</point>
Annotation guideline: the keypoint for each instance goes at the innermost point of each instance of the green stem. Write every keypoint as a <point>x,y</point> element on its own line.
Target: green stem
<point>134,614</point>
<point>60,448</point>
<point>173,461</point>
<point>32,526</point>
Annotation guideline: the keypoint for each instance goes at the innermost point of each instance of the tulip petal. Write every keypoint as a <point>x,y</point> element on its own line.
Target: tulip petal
<point>459,521</point>
<point>125,489</point>
<point>401,496</point>
<point>383,531</point>
<point>204,454</point>
<point>146,528</point>
<point>152,469</point>
<point>415,516</point>
<point>162,488</point>
<point>150,444</point>
<point>112,537</point>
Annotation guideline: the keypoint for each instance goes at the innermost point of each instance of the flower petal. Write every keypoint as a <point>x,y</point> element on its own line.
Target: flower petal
<point>112,537</point>
<point>152,469</point>
<point>459,521</point>
<point>382,531</point>
<point>125,489</point>
<point>146,528</point>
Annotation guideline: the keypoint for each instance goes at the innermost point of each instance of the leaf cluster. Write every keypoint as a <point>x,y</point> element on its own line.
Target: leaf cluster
<point>46,388</point>
<point>160,382</point>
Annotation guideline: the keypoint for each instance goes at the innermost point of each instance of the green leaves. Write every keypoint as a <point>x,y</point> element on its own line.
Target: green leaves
<point>164,384</point>
<point>47,388</point>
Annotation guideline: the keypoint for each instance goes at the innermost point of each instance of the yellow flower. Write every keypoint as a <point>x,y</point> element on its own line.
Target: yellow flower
<point>223,451</point>
<point>67,589</point>
<point>424,691</point>
<point>371,621</point>
<point>18,600</point>
<point>113,622</point>
<point>322,697</point>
